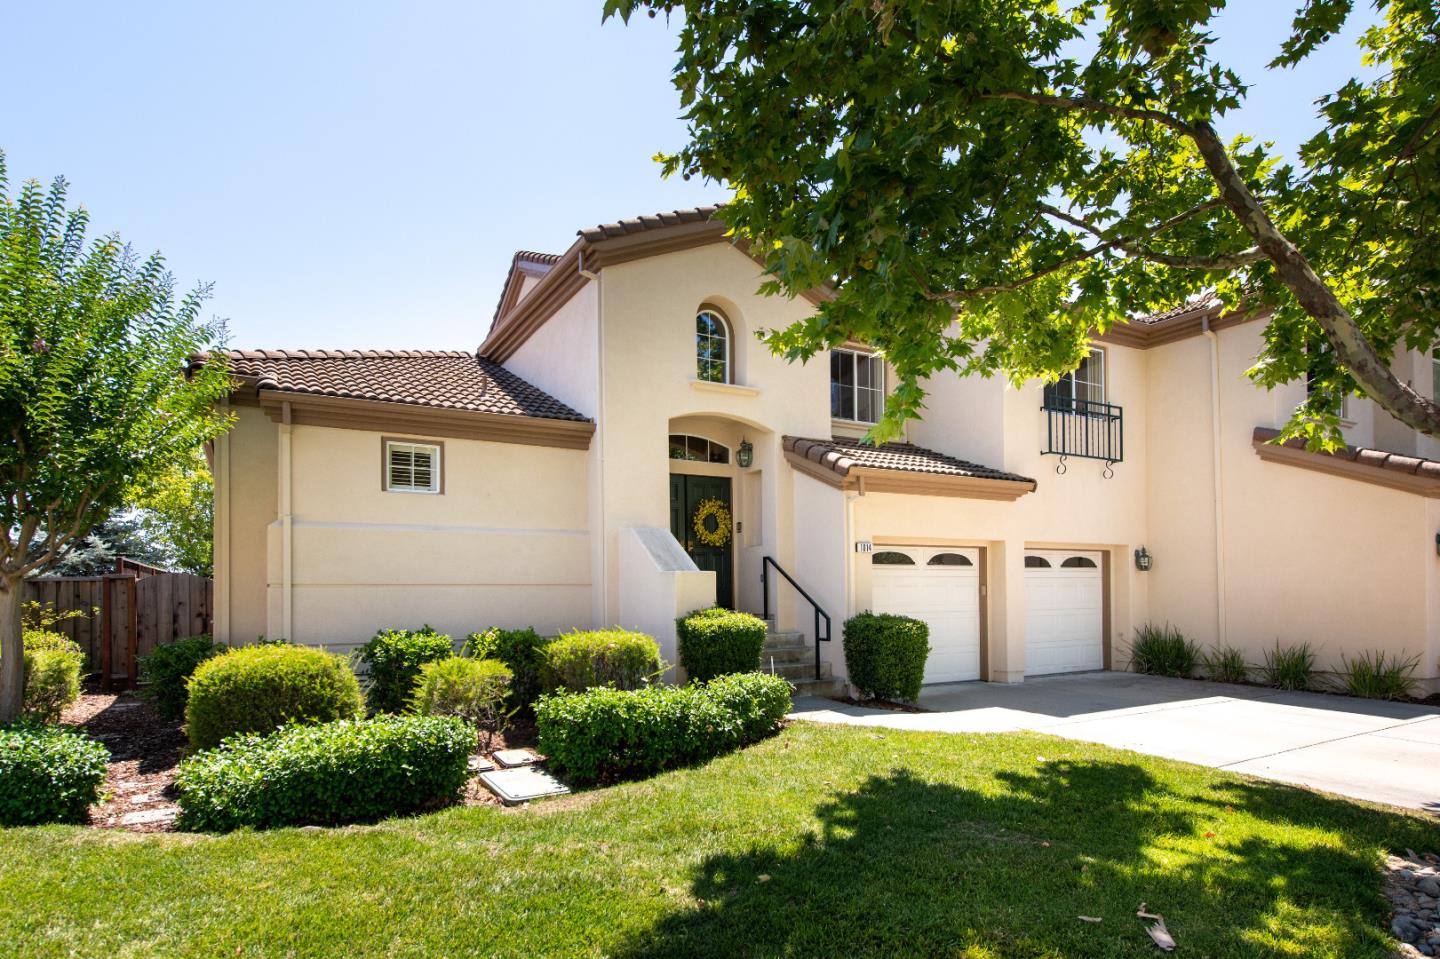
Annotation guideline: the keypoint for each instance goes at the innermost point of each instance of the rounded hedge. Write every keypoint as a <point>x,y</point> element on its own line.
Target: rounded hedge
<point>606,733</point>
<point>257,689</point>
<point>522,650</point>
<point>340,772</point>
<point>717,641</point>
<point>166,671</point>
<point>885,655</point>
<point>392,660</point>
<point>48,774</point>
<point>602,657</point>
<point>473,689</point>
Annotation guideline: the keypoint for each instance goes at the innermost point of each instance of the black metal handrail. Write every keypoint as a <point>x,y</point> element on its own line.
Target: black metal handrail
<point>1084,428</point>
<point>820,614</point>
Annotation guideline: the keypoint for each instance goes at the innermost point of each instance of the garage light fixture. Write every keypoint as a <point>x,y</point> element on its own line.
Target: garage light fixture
<point>745,455</point>
<point>1143,560</point>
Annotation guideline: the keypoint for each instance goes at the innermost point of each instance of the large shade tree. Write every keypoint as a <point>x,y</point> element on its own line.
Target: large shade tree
<point>94,403</point>
<point>1046,169</point>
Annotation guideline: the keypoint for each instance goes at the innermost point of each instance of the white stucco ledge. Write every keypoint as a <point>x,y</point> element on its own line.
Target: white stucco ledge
<point>662,548</point>
<point>659,582</point>
<point>732,389</point>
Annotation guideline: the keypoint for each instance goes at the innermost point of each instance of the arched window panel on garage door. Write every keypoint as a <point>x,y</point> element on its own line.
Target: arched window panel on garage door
<point>890,557</point>
<point>949,559</point>
<point>1078,562</point>
<point>1036,562</point>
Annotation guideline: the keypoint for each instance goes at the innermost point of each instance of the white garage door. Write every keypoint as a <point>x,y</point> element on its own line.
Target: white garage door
<point>1064,612</point>
<point>941,587</point>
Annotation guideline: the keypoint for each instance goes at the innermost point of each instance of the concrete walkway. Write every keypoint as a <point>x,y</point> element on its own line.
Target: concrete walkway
<point>1366,749</point>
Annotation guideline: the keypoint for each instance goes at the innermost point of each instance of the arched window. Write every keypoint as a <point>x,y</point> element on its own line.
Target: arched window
<point>891,558</point>
<point>712,347</point>
<point>698,449</point>
<point>949,559</point>
<point>1078,562</point>
<point>1036,562</point>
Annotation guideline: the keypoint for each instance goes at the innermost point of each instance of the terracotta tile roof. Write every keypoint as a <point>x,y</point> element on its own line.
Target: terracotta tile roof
<point>640,224</point>
<point>530,256</point>
<point>842,455</point>
<point>1201,304</point>
<point>451,380</point>
<point>1397,470</point>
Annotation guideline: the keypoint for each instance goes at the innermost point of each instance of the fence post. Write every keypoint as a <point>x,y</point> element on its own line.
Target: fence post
<point>132,631</point>
<point>107,629</point>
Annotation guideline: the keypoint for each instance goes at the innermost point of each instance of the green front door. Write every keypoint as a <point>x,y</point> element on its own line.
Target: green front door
<point>706,499</point>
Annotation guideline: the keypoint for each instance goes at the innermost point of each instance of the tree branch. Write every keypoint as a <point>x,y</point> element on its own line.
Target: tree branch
<point>1365,365</point>
<point>1091,105</point>
<point>1224,261</point>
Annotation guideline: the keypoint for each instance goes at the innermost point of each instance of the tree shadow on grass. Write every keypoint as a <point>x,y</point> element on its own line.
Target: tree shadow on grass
<point>906,867</point>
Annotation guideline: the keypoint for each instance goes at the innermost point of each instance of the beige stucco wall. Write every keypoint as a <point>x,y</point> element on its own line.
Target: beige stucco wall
<point>1307,557</point>
<point>245,495</point>
<point>505,544</point>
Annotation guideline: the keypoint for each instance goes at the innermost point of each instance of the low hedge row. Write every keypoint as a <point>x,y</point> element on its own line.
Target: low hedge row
<point>257,689</point>
<point>523,653</point>
<point>717,641</point>
<point>48,774</point>
<point>885,654</point>
<point>607,733</point>
<point>341,772</point>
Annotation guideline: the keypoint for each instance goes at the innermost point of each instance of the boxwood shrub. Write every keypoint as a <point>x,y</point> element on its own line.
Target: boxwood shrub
<point>608,734</point>
<point>522,650</point>
<point>166,671</point>
<point>48,774</point>
<point>392,660</point>
<point>340,772</point>
<point>602,657</point>
<point>52,682</point>
<point>473,689</point>
<point>885,654</point>
<point>717,641</point>
<point>257,689</point>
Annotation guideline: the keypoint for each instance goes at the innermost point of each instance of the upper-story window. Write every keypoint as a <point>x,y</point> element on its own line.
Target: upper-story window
<point>857,386</point>
<point>413,467</point>
<point>712,347</point>
<point>1319,350</point>
<point>1085,385</point>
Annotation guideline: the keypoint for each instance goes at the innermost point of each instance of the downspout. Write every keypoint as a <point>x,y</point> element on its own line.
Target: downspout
<point>287,565</point>
<point>850,497</point>
<point>598,612</point>
<point>1216,465</point>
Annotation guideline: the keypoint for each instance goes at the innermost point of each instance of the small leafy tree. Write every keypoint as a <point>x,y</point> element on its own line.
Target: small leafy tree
<point>178,514</point>
<point>94,403</point>
<point>1045,169</point>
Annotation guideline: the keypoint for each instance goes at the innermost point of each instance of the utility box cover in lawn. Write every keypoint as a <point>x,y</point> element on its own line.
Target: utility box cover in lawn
<point>523,784</point>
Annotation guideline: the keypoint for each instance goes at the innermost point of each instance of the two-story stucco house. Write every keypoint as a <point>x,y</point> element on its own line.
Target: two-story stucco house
<point>621,449</point>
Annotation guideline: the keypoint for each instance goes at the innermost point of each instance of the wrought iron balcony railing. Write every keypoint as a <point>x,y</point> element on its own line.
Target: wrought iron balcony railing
<point>1083,428</point>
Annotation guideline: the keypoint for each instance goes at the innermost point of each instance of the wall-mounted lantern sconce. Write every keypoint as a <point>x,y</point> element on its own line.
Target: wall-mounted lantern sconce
<point>1437,544</point>
<point>745,455</point>
<point>1143,560</point>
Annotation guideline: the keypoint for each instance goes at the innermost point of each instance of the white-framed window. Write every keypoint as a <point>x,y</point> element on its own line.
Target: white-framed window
<point>857,386</point>
<point>1086,384</point>
<point>697,449</point>
<point>712,347</point>
<point>413,467</point>
<point>1323,348</point>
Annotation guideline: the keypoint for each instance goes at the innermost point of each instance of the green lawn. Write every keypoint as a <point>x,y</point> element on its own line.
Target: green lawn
<point>823,841</point>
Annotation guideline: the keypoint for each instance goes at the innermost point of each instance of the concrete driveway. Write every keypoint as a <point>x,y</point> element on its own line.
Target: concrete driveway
<point>1383,752</point>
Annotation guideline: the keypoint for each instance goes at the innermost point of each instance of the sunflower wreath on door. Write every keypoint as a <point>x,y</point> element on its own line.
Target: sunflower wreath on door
<point>712,522</point>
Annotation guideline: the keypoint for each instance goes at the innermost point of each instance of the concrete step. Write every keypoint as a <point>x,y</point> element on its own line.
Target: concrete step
<point>789,637</point>
<point>796,672</point>
<point>819,687</point>
<point>786,654</point>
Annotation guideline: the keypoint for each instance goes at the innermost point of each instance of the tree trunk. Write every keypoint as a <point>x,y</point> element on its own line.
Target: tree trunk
<point>12,648</point>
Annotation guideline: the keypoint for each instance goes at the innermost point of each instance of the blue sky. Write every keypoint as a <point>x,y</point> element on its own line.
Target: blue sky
<point>359,175</point>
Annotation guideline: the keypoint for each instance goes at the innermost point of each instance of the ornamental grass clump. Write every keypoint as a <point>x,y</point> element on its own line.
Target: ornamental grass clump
<point>610,734</point>
<point>1225,664</point>
<point>1288,667</point>
<point>1378,675</point>
<point>602,657</point>
<point>257,689</point>
<point>885,655</point>
<point>392,660</point>
<point>342,772</point>
<point>1164,651</point>
<point>717,641</point>
<point>48,774</point>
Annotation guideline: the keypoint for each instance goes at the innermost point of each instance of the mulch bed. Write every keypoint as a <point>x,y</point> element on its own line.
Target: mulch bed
<point>145,748</point>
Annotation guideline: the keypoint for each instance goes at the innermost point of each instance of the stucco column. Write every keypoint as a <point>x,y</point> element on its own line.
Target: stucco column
<point>1006,637</point>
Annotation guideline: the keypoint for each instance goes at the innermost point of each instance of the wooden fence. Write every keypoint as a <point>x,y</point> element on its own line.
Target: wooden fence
<point>126,614</point>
